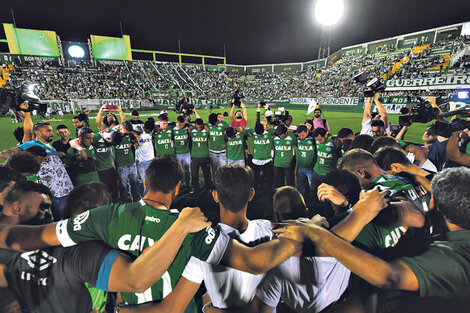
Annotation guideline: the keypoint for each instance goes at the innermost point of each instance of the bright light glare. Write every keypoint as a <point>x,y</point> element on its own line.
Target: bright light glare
<point>76,52</point>
<point>463,95</point>
<point>328,12</point>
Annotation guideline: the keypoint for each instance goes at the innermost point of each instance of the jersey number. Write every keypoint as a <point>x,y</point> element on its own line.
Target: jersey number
<point>146,296</point>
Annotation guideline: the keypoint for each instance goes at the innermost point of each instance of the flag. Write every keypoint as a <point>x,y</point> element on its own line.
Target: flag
<point>312,106</point>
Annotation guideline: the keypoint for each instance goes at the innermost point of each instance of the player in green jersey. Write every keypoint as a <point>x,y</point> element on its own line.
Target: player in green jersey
<point>284,165</point>
<point>199,135</point>
<point>163,137</point>
<point>84,169</point>
<point>235,145</point>
<point>262,162</point>
<point>327,156</point>
<point>123,137</point>
<point>305,160</point>
<point>133,227</point>
<point>217,153</point>
<point>181,143</point>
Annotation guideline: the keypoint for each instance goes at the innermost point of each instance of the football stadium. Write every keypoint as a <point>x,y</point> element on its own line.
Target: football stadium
<point>268,156</point>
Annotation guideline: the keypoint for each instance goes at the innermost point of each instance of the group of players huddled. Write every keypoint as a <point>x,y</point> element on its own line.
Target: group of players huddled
<point>393,213</point>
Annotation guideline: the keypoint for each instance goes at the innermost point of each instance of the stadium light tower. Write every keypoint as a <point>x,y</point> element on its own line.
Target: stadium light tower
<point>327,13</point>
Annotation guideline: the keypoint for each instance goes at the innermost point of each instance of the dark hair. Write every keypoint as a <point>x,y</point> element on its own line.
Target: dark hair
<point>84,130</point>
<point>309,121</point>
<point>356,158</point>
<point>39,125</point>
<point>77,118</point>
<point>345,132</point>
<point>37,151</point>
<point>105,119</point>
<point>8,175</point>
<point>384,141</point>
<point>302,128</point>
<point>163,174</point>
<point>230,132</point>
<point>281,130</point>
<point>23,162</point>
<point>344,182</point>
<point>213,119</point>
<point>163,117</point>
<point>319,131</point>
<point>23,187</point>
<point>149,125</point>
<point>259,129</point>
<point>288,204</point>
<point>18,133</point>
<point>450,189</point>
<point>61,126</point>
<point>363,141</point>
<point>233,184</point>
<point>431,130</point>
<point>135,113</point>
<point>386,156</point>
<point>86,197</point>
<point>377,123</point>
<point>317,109</point>
<point>199,121</point>
<point>180,119</point>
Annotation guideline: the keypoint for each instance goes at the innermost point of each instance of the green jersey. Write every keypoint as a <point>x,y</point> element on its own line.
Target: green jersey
<point>200,143</point>
<point>306,153</point>
<point>327,156</point>
<point>284,151</point>
<point>163,142</point>
<point>102,152</point>
<point>123,154</point>
<point>217,136</point>
<point>235,150</point>
<point>181,140</point>
<point>262,145</point>
<point>133,227</point>
<point>73,160</point>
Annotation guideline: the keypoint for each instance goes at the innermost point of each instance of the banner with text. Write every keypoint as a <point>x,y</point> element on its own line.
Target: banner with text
<point>444,82</point>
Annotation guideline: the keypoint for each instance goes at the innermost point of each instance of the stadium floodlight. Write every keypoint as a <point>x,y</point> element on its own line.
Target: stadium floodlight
<point>75,51</point>
<point>328,12</point>
<point>463,95</point>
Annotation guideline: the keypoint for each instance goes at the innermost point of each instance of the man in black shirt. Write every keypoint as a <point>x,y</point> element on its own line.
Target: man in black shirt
<point>62,145</point>
<point>77,122</point>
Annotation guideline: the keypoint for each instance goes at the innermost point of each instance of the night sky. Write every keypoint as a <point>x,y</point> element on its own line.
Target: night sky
<point>253,31</point>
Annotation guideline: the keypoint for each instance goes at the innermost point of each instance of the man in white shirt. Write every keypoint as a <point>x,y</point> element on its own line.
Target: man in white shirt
<point>145,153</point>
<point>368,118</point>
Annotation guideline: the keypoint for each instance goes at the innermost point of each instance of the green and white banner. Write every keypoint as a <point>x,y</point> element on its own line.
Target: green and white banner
<point>428,83</point>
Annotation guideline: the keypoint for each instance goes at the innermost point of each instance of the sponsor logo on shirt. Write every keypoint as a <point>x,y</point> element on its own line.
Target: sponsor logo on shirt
<point>128,243</point>
<point>37,260</point>
<point>200,139</point>
<point>163,141</point>
<point>261,142</point>
<point>216,133</point>
<point>122,147</point>
<point>183,137</point>
<point>79,220</point>
<point>152,219</point>
<point>392,239</point>
<point>283,148</point>
<point>102,150</point>
<point>210,235</point>
<point>306,148</point>
<point>235,143</point>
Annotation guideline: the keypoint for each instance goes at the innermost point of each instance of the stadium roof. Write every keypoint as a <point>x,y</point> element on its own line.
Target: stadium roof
<point>253,32</point>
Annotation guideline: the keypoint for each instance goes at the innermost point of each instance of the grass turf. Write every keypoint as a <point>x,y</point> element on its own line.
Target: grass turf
<point>336,120</point>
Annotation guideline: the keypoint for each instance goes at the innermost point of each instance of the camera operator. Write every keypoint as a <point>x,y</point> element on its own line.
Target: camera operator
<point>453,152</point>
<point>240,118</point>
<point>368,118</point>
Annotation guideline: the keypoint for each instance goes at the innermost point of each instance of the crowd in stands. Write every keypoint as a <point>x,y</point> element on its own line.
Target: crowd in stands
<point>143,80</point>
<point>392,212</point>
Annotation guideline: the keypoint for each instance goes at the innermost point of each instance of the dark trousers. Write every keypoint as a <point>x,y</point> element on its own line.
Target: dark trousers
<point>284,176</point>
<point>205,165</point>
<point>110,179</point>
<point>263,176</point>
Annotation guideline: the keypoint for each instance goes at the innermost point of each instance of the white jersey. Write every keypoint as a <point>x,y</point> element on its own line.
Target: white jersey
<point>427,165</point>
<point>305,284</point>
<point>226,286</point>
<point>145,151</point>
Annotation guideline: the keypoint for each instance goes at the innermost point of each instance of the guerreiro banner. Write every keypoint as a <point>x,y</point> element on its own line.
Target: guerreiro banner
<point>443,82</point>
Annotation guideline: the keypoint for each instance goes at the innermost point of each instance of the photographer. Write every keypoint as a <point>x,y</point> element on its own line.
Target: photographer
<point>368,118</point>
<point>240,119</point>
<point>453,152</point>
<point>110,120</point>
